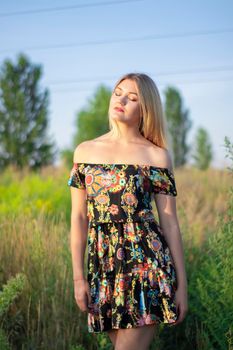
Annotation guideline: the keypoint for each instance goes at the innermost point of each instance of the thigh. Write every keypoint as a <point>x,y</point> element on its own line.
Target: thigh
<point>138,338</point>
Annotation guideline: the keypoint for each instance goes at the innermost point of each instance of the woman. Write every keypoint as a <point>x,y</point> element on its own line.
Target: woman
<point>136,272</point>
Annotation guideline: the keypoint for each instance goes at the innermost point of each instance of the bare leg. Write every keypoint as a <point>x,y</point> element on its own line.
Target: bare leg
<point>138,338</point>
<point>113,335</point>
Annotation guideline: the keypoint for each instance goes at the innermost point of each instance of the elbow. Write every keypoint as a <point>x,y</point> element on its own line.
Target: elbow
<point>170,226</point>
<point>78,225</point>
<point>79,229</point>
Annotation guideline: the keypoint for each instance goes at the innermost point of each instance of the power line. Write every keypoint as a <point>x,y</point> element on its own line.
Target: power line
<point>120,40</point>
<point>229,79</point>
<point>159,74</point>
<point>65,8</point>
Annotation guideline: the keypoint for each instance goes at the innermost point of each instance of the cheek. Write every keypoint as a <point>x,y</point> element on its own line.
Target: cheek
<point>112,100</point>
<point>136,109</point>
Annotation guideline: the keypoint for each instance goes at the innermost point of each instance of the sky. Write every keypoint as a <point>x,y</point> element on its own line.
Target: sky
<point>81,44</point>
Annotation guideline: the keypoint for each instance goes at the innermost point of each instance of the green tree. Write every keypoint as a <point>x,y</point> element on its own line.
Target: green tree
<point>23,116</point>
<point>178,125</point>
<point>229,149</point>
<point>91,121</point>
<point>202,150</point>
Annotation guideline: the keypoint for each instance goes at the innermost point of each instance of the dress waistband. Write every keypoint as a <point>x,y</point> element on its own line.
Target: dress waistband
<point>94,223</point>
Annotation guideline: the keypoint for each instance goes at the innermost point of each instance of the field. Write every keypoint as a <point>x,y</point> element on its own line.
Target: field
<point>37,306</point>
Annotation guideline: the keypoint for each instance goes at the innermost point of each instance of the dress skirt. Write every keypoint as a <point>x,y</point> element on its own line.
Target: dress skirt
<point>131,275</point>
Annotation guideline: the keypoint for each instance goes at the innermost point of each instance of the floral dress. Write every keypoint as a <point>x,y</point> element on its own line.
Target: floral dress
<point>131,272</point>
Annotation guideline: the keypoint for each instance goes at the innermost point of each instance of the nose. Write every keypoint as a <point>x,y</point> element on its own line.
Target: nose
<point>122,99</point>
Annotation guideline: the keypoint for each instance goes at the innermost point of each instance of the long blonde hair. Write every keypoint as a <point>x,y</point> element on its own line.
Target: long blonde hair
<point>153,124</point>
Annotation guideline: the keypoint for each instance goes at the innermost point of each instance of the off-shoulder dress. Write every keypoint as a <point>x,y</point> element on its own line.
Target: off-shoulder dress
<point>130,269</point>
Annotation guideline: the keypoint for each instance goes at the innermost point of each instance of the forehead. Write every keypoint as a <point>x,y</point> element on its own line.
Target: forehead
<point>128,85</point>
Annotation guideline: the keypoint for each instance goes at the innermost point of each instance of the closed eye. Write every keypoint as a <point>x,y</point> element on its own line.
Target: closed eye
<point>132,98</point>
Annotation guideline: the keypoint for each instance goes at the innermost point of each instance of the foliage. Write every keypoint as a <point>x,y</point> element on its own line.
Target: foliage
<point>229,152</point>
<point>11,290</point>
<point>208,324</point>
<point>45,192</point>
<point>34,219</point>
<point>91,121</point>
<point>202,150</point>
<point>4,345</point>
<point>178,125</point>
<point>214,281</point>
<point>77,347</point>
<point>47,306</point>
<point>23,116</point>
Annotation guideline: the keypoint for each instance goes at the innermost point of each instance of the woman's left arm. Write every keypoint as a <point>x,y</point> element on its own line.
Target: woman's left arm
<point>166,207</point>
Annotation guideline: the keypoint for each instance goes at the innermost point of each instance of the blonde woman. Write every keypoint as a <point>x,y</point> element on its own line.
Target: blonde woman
<point>136,274</point>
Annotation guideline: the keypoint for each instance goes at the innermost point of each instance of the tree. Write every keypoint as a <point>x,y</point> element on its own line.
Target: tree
<point>178,125</point>
<point>92,121</point>
<point>202,150</point>
<point>23,116</point>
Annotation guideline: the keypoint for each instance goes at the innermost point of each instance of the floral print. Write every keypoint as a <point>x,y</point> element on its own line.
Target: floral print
<point>121,192</point>
<point>131,272</point>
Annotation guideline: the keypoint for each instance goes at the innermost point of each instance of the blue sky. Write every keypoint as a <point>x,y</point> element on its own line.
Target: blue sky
<point>185,44</point>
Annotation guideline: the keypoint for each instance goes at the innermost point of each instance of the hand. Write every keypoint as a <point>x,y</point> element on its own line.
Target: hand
<point>181,301</point>
<point>82,294</point>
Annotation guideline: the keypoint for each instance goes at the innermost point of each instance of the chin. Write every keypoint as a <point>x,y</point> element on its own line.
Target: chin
<point>116,116</point>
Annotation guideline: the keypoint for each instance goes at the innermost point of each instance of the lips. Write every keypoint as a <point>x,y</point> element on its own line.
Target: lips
<point>119,109</point>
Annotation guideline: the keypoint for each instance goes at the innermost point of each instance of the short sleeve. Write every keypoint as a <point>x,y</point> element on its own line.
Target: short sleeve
<point>77,177</point>
<point>163,181</point>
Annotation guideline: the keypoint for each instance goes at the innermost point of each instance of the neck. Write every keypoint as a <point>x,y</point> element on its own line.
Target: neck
<point>126,134</point>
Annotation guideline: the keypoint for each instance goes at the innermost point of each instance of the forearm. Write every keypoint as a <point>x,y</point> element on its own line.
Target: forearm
<point>175,244</point>
<point>78,242</point>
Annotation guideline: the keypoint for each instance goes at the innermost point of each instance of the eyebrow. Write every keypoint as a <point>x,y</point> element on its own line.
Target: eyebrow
<point>130,92</point>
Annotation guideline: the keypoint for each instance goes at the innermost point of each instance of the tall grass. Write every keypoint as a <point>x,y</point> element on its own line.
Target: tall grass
<point>34,236</point>
<point>209,322</point>
<point>39,248</point>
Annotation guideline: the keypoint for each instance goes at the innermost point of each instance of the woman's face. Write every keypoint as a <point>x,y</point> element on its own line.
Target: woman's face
<point>124,103</point>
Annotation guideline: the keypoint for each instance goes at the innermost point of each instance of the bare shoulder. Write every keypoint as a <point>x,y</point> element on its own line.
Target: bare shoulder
<point>102,138</point>
<point>81,151</point>
<point>161,157</point>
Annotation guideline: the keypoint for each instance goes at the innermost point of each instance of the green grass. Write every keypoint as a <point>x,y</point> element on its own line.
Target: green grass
<point>34,236</point>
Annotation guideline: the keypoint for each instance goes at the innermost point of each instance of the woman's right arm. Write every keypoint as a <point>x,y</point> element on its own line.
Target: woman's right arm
<point>79,219</point>
<point>78,231</point>
<point>78,243</point>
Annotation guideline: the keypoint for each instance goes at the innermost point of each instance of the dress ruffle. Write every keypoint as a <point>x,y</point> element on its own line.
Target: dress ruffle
<point>131,275</point>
